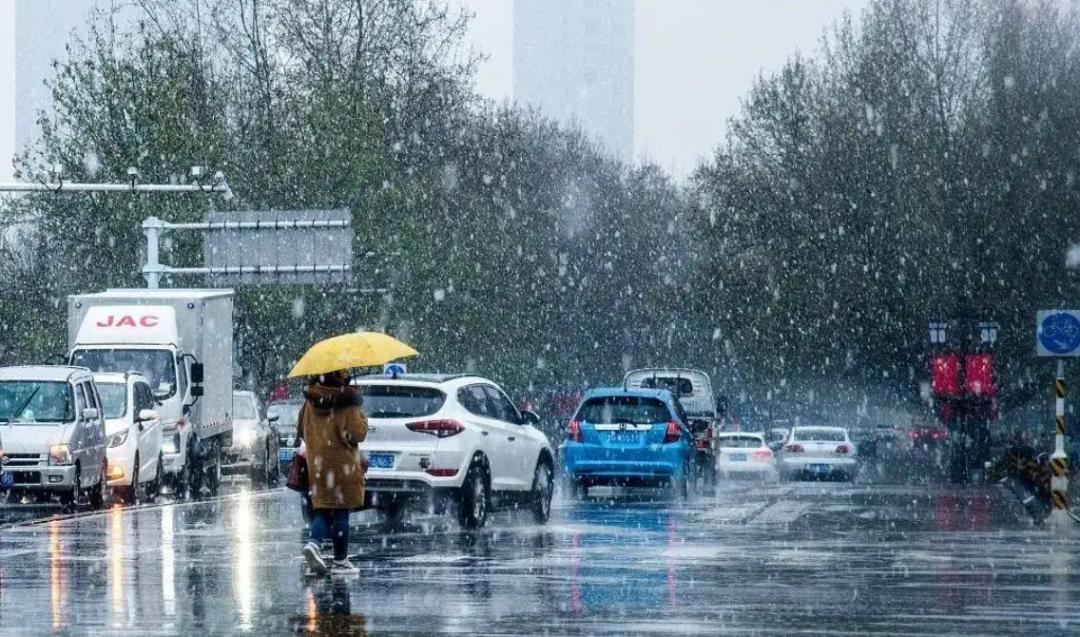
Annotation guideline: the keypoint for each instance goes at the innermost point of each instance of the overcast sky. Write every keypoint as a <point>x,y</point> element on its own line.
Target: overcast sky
<point>7,88</point>
<point>694,60</point>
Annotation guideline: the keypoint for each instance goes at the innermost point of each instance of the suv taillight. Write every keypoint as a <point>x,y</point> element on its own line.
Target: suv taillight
<point>761,454</point>
<point>672,433</point>
<point>438,428</point>
<point>573,432</point>
<point>794,449</point>
<point>843,449</point>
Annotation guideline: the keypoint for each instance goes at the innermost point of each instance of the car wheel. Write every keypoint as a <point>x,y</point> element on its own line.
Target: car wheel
<point>193,471</point>
<point>394,512</point>
<point>259,474</point>
<point>542,489</point>
<point>274,471</point>
<point>97,493</point>
<point>574,490</point>
<point>213,478</point>
<point>473,500</point>
<point>131,494</point>
<point>153,489</point>
<point>681,483</point>
<point>70,499</point>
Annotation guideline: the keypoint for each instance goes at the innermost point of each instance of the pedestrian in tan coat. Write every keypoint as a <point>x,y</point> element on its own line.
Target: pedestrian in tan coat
<point>332,426</point>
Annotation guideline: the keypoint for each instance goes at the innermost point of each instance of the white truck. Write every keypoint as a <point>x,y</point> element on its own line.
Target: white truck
<point>182,342</point>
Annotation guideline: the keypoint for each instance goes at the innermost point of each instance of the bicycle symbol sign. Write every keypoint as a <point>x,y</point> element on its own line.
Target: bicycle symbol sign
<point>1058,333</point>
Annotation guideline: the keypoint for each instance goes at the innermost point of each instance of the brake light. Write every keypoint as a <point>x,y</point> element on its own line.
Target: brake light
<point>794,449</point>
<point>442,473</point>
<point>672,433</point>
<point>842,449</point>
<point>180,423</point>
<point>573,432</point>
<point>437,428</point>
<point>761,454</point>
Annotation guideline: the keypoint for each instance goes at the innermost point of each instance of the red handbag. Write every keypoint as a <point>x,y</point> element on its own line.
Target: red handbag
<point>297,480</point>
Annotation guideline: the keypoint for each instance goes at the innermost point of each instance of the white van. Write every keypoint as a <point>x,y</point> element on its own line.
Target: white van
<point>53,433</point>
<point>133,431</point>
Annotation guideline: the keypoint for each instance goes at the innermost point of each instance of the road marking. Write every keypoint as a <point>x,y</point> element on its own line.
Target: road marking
<point>783,512</point>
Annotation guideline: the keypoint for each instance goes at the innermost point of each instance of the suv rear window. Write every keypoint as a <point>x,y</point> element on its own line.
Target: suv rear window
<point>400,401</point>
<point>635,410</point>
<point>677,386</point>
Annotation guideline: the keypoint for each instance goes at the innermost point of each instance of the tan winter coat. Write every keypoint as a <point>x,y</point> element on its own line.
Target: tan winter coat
<point>332,426</point>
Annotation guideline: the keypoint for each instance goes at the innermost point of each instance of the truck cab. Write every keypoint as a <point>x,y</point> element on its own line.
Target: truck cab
<point>54,434</point>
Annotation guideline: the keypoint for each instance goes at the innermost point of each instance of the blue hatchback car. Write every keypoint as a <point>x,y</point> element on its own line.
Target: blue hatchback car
<point>628,437</point>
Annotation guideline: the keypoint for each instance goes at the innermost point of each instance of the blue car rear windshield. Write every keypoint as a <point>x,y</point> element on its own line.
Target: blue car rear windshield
<point>635,410</point>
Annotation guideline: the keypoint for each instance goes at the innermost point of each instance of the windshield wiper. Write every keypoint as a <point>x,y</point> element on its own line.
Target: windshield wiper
<point>389,414</point>
<point>22,408</point>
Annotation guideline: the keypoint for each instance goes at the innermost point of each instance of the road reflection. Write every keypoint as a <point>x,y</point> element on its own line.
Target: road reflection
<point>56,585</point>
<point>242,567</point>
<point>168,564</point>
<point>329,610</point>
<point>116,564</point>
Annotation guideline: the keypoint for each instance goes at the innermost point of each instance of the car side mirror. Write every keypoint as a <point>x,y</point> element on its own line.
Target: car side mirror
<point>89,414</point>
<point>196,373</point>
<point>273,418</point>
<point>196,391</point>
<point>147,415</point>
<point>530,418</point>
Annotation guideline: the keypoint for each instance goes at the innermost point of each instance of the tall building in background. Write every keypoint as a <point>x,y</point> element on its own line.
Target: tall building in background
<point>43,29</point>
<point>574,60</point>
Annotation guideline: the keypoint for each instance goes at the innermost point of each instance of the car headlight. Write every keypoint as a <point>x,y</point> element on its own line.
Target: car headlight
<point>60,454</point>
<point>170,444</point>
<point>118,439</point>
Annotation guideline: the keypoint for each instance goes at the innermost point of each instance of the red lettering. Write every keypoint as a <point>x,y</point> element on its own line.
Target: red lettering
<point>129,321</point>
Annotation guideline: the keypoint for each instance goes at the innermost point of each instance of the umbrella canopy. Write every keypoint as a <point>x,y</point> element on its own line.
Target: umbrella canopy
<point>360,349</point>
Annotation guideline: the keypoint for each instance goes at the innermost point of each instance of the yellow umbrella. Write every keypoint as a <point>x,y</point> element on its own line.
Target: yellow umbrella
<point>360,349</point>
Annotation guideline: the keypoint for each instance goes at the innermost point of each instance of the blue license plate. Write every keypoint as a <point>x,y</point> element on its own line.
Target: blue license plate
<point>625,437</point>
<point>285,455</point>
<point>7,479</point>
<point>381,461</point>
<point>737,457</point>
<point>819,468</point>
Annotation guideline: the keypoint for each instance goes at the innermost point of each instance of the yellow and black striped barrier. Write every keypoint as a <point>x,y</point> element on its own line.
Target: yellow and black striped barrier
<point>1059,461</point>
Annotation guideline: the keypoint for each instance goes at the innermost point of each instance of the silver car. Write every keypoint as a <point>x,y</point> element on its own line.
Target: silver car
<point>53,434</point>
<point>254,449</point>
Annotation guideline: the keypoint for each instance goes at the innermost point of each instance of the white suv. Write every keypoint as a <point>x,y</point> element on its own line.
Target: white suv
<point>133,435</point>
<point>456,442</point>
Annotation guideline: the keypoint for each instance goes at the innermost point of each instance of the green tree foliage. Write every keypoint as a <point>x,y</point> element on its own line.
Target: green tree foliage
<point>922,167</point>
<point>507,245</point>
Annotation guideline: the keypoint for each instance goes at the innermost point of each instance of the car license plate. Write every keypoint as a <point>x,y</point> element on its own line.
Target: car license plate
<point>625,436</point>
<point>737,457</point>
<point>819,468</point>
<point>381,461</point>
<point>285,455</point>
<point>7,479</point>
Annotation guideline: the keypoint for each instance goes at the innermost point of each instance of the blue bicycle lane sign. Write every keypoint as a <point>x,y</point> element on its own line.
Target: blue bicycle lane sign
<point>1058,333</point>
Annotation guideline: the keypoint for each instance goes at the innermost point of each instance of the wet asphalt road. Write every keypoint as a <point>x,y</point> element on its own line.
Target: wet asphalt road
<point>816,558</point>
